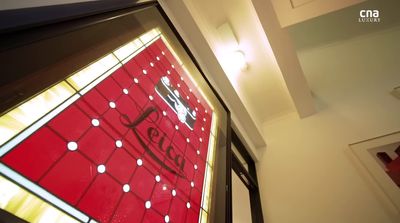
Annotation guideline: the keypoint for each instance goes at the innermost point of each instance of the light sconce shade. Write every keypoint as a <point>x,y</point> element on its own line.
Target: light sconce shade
<point>233,58</point>
<point>238,60</point>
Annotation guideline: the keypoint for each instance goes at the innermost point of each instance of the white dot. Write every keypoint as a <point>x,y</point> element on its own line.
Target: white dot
<point>173,66</point>
<point>144,71</point>
<point>206,110</point>
<point>101,168</point>
<point>188,204</point>
<point>125,91</point>
<point>166,218</point>
<point>152,64</point>
<point>179,85</point>
<point>190,89</point>
<point>187,140</point>
<point>147,204</point>
<point>158,178</point>
<point>201,140</point>
<point>158,58</point>
<point>164,187</point>
<point>95,122</point>
<point>139,162</point>
<point>168,72</point>
<point>198,152</point>
<point>118,143</point>
<point>195,166</point>
<point>187,97</point>
<point>151,97</point>
<point>126,188</point>
<point>162,52</point>
<point>192,184</point>
<point>204,119</point>
<point>202,129</point>
<point>135,80</point>
<point>174,193</point>
<point>164,113</point>
<point>112,104</point>
<point>198,101</point>
<point>196,109</point>
<point>72,146</point>
<point>181,78</point>
<point>176,127</point>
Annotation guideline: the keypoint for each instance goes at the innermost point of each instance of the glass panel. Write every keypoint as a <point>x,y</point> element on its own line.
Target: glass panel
<point>137,141</point>
<point>240,157</point>
<point>241,209</point>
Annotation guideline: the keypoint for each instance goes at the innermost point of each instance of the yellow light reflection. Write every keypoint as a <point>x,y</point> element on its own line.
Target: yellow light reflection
<point>211,152</point>
<point>207,189</point>
<point>21,117</point>
<point>128,51</point>
<point>204,216</point>
<point>172,51</point>
<point>83,77</point>
<point>149,37</point>
<point>22,204</point>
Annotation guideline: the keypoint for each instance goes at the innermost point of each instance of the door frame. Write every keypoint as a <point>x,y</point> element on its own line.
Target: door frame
<point>248,177</point>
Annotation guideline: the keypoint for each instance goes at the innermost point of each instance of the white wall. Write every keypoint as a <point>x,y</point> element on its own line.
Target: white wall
<point>305,174</point>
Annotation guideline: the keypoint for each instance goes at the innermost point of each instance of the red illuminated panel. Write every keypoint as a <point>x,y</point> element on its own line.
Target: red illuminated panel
<point>132,149</point>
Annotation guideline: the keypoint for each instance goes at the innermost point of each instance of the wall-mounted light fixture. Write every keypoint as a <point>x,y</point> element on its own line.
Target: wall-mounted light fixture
<point>238,60</point>
<point>234,59</point>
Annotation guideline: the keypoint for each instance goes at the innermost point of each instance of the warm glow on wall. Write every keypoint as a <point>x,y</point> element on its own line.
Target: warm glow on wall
<point>237,60</point>
<point>231,57</point>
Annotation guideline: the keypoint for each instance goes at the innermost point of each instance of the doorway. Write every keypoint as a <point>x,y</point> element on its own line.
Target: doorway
<point>246,204</point>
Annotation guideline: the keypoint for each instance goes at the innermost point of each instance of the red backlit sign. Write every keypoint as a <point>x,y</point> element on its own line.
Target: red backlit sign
<point>132,149</point>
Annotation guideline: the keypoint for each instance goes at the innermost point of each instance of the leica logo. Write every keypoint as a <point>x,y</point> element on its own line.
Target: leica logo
<point>154,139</point>
<point>173,99</point>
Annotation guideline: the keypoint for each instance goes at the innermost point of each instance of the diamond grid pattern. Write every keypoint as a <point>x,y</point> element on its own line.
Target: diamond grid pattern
<point>75,176</point>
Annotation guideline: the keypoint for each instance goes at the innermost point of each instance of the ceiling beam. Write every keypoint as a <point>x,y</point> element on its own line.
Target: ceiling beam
<point>286,58</point>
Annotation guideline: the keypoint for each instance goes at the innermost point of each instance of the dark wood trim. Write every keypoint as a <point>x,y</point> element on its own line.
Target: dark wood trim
<point>243,174</point>
<point>241,148</point>
<point>21,36</point>
<point>26,45</point>
<point>228,187</point>
<point>15,20</point>
<point>250,176</point>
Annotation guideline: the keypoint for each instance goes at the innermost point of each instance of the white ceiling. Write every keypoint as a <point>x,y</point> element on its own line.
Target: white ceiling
<point>261,87</point>
<point>275,85</point>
